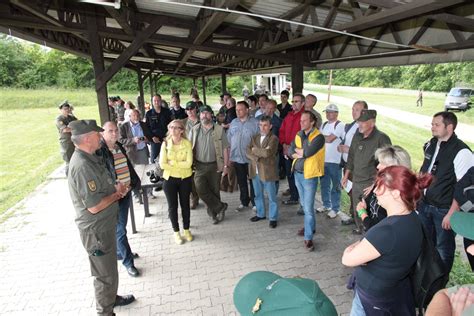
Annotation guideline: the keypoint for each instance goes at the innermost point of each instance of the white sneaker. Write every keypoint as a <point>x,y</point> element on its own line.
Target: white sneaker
<point>240,208</point>
<point>332,214</point>
<point>322,209</point>
<point>343,216</point>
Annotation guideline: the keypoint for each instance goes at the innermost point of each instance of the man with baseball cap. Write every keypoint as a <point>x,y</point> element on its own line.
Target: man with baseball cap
<point>94,196</point>
<point>361,163</point>
<point>62,123</point>
<point>265,293</point>
<point>189,123</point>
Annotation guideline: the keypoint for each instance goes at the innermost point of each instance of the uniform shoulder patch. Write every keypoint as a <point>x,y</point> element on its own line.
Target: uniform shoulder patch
<point>92,186</point>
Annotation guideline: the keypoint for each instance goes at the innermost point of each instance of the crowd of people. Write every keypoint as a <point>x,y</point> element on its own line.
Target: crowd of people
<point>257,142</point>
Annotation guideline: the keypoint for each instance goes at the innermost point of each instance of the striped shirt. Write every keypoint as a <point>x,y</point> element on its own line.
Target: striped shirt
<point>121,167</point>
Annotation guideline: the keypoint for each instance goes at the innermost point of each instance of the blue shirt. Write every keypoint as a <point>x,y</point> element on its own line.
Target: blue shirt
<point>239,135</point>
<point>138,132</point>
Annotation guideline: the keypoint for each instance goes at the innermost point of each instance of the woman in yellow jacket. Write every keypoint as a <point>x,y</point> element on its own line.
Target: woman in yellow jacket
<point>176,158</point>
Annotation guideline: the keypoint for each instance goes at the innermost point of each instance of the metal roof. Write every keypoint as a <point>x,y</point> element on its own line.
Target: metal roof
<point>205,38</point>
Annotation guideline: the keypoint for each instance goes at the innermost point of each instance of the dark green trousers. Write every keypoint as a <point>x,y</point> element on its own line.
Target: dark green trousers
<point>207,182</point>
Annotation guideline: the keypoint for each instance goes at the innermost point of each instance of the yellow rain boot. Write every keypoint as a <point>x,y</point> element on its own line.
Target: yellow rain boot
<point>188,235</point>
<point>178,239</point>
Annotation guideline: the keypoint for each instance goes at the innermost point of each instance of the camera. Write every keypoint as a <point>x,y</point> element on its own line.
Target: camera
<point>141,138</point>
<point>153,177</point>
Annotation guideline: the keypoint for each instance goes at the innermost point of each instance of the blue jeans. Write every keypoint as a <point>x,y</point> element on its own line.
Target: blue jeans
<point>270,187</point>
<point>357,308</point>
<point>331,186</point>
<point>307,190</point>
<point>432,217</point>
<point>123,247</point>
<point>291,180</point>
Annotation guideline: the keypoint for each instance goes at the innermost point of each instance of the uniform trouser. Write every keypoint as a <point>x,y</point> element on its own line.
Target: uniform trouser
<point>67,149</point>
<point>123,247</point>
<point>177,188</point>
<point>357,190</point>
<point>194,194</point>
<point>207,183</point>
<point>102,250</point>
<point>242,171</point>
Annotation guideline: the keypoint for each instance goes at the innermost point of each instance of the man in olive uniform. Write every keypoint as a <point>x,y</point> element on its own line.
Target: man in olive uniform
<point>94,196</point>
<point>62,123</point>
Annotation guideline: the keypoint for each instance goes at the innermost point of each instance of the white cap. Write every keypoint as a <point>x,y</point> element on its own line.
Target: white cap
<point>331,108</point>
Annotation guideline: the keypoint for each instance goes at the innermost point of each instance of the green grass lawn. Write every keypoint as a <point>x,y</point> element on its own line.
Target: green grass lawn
<point>432,102</point>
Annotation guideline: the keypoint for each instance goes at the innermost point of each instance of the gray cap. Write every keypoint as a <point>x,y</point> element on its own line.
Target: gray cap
<point>80,127</point>
<point>64,104</point>
<point>331,108</point>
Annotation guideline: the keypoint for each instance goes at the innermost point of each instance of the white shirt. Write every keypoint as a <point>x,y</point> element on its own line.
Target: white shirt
<point>463,161</point>
<point>348,138</point>
<point>331,153</point>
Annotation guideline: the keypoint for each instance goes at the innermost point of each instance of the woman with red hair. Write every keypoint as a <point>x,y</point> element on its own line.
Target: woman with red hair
<point>384,258</point>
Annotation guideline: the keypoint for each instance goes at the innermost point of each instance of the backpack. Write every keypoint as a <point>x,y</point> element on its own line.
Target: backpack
<point>335,125</point>
<point>428,274</point>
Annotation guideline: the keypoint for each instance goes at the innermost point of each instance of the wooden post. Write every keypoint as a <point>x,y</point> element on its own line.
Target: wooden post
<point>203,80</point>
<point>329,85</point>
<point>97,57</point>
<point>223,83</point>
<point>140,98</point>
<point>296,78</point>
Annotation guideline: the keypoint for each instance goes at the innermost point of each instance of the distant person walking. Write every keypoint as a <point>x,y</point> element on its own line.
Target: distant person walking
<point>62,123</point>
<point>419,101</point>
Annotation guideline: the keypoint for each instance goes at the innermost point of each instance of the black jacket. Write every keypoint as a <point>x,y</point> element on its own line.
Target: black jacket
<point>440,192</point>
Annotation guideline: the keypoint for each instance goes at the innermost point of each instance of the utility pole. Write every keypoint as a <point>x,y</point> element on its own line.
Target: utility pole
<point>329,85</point>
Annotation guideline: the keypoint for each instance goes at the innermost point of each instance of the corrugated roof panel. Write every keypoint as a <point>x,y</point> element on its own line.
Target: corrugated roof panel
<point>173,31</point>
<point>241,20</point>
<point>112,23</point>
<point>273,8</point>
<point>169,8</point>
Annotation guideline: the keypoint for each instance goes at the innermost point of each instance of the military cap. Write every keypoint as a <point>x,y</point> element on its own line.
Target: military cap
<point>366,115</point>
<point>266,293</point>
<point>80,127</point>
<point>64,104</point>
<point>462,223</point>
<point>191,105</point>
<point>206,108</point>
<point>331,108</point>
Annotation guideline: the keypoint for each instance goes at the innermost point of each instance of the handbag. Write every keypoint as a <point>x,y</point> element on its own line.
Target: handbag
<point>428,275</point>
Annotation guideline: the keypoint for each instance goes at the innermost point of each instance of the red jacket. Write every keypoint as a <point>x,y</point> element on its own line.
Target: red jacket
<point>290,127</point>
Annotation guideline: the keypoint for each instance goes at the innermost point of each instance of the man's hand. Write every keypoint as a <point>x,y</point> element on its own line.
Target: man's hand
<point>446,223</point>
<point>225,171</point>
<point>121,189</point>
<point>344,182</point>
<point>299,151</point>
<point>361,205</point>
<point>461,300</point>
<point>136,140</point>
<point>343,149</point>
<point>285,149</point>
<point>367,190</point>
<point>156,140</point>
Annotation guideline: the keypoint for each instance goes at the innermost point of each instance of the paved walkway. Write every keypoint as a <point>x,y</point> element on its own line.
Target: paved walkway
<point>464,131</point>
<point>45,271</point>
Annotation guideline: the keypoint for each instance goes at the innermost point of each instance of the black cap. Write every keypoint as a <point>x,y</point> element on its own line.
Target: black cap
<point>191,105</point>
<point>206,108</point>
<point>80,127</point>
<point>366,115</point>
<point>65,103</point>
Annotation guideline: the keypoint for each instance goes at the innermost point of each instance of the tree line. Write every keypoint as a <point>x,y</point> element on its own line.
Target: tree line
<point>32,66</point>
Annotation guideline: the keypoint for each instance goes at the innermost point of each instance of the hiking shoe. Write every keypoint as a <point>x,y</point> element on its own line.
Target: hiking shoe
<point>308,245</point>
<point>332,214</point>
<point>322,209</point>
<point>187,235</point>
<point>240,208</point>
<point>178,239</point>
<point>344,217</point>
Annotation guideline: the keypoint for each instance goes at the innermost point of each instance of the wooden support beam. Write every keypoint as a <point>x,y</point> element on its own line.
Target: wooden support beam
<point>297,76</point>
<point>141,95</point>
<point>223,83</point>
<point>130,51</point>
<point>203,81</point>
<point>454,20</point>
<point>398,13</point>
<point>97,57</point>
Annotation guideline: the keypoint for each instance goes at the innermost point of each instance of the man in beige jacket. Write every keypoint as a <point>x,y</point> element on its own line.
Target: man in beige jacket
<point>263,155</point>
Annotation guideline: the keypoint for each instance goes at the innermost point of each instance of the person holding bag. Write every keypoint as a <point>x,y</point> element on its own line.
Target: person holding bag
<point>176,159</point>
<point>385,257</point>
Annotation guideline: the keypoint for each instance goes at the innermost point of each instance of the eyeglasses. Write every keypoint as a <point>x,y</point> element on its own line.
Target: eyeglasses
<point>176,127</point>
